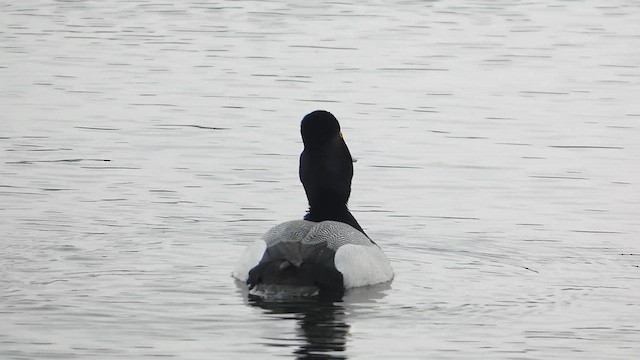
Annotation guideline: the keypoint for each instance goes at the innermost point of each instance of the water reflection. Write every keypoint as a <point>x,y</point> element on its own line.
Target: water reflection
<point>321,328</point>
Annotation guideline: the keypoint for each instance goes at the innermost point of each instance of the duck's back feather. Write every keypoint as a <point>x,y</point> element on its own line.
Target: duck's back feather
<point>327,254</point>
<point>333,233</point>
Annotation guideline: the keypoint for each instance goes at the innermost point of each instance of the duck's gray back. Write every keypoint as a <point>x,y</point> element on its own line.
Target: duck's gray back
<point>290,231</point>
<point>334,234</point>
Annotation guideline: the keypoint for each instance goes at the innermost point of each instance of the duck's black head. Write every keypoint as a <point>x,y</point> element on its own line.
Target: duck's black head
<point>318,128</point>
<point>326,169</point>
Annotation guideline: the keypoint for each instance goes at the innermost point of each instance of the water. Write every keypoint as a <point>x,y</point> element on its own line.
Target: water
<point>145,144</point>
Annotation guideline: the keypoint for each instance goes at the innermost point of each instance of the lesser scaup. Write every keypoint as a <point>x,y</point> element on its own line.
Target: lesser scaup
<point>328,251</point>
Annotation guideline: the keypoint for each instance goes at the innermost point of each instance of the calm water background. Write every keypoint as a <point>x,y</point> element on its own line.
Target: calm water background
<point>144,144</point>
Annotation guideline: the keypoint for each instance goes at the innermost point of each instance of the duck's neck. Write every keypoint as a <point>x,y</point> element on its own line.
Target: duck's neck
<point>322,211</point>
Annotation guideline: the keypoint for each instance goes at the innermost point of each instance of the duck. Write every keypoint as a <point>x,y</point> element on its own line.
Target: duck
<point>327,251</point>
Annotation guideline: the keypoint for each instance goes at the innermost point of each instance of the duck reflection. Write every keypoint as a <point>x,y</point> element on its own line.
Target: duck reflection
<point>322,327</point>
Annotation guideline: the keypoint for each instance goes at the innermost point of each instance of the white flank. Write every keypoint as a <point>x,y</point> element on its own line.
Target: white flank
<point>362,265</point>
<point>249,258</point>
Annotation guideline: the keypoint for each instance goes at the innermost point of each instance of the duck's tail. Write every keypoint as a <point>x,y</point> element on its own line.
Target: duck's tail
<point>282,278</point>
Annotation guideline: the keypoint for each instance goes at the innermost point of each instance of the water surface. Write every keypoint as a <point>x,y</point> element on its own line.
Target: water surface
<point>144,144</point>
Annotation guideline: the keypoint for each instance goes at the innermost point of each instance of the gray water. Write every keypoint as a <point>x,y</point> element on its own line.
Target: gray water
<point>144,144</point>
